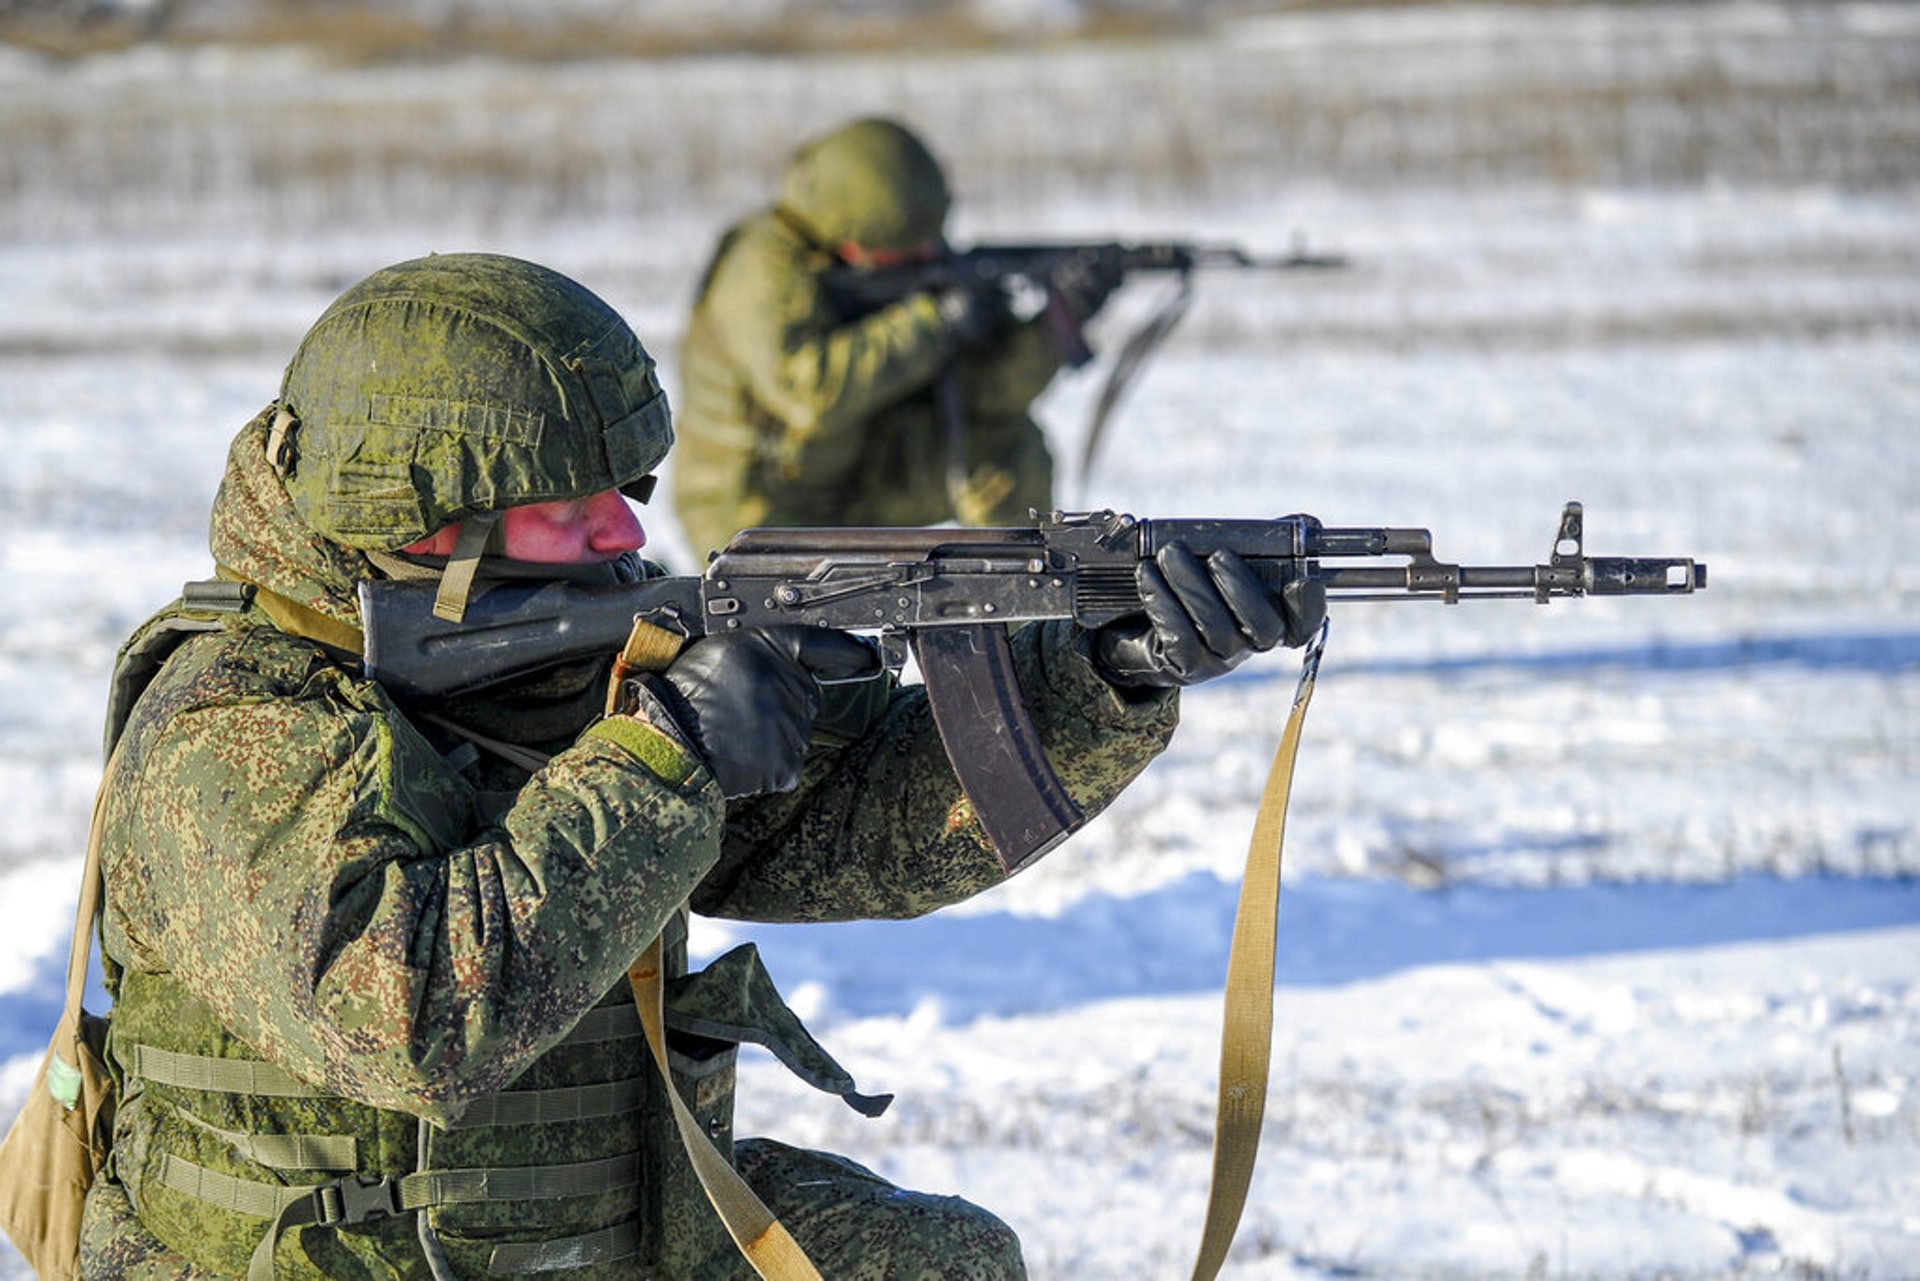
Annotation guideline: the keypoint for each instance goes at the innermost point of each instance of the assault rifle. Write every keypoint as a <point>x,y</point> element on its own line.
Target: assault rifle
<point>1031,270</point>
<point>953,594</point>
<point>860,291</point>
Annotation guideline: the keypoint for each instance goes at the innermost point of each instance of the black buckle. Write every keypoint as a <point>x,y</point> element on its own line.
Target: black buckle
<point>357,1200</point>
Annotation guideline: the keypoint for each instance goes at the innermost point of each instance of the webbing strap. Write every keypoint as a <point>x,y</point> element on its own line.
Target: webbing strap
<point>519,1183</point>
<point>295,1151</point>
<point>334,1152</point>
<point>761,1237</point>
<point>225,1076</point>
<point>511,1107</point>
<point>1246,1037</point>
<point>361,1200</point>
<point>86,916</point>
<point>357,1200</point>
<point>354,1199</point>
<point>295,619</point>
<point>649,648</point>
<point>225,1192</point>
<point>539,1107</point>
<point>618,1022</point>
<point>456,581</point>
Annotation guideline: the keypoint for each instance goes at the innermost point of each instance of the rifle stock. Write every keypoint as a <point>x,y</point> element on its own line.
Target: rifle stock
<point>955,593</point>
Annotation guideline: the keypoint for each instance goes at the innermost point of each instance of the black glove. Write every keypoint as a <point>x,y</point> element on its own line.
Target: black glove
<point>972,313</point>
<point>1202,621</point>
<point>746,700</point>
<point>1085,282</point>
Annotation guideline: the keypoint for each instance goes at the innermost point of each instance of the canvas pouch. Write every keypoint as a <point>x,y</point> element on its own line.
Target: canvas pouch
<point>56,1145</point>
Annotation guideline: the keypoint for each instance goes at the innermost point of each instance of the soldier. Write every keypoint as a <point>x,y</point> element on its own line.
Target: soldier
<point>797,413</point>
<point>369,960</point>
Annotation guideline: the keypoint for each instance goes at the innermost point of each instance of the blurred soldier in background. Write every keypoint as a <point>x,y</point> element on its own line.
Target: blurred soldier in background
<point>370,960</point>
<point>800,413</point>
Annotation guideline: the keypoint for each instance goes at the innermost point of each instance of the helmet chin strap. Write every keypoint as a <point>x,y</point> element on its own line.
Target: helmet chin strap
<point>477,534</point>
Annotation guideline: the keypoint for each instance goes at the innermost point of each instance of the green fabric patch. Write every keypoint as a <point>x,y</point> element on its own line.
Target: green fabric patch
<point>63,1081</point>
<point>663,756</point>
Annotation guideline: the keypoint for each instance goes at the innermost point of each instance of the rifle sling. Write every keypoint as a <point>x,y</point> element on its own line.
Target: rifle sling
<point>1126,365</point>
<point>295,619</point>
<point>1246,1038</point>
<point>761,1237</point>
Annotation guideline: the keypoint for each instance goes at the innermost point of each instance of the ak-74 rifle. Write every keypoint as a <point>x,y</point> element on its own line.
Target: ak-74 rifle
<point>953,594</point>
<point>1031,270</point>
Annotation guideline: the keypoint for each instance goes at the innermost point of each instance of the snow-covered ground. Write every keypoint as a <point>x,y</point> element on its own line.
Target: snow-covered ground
<point>1601,924</point>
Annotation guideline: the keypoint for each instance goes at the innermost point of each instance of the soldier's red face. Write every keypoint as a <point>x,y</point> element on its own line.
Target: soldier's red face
<point>586,531</point>
<point>879,259</point>
<point>583,532</point>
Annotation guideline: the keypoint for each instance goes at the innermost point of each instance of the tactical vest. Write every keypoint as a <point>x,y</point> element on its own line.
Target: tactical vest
<point>575,1169</point>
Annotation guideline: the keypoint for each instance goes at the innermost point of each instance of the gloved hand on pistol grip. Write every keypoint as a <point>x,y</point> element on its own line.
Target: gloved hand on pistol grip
<point>745,701</point>
<point>1202,620</point>
<point>972,313</point>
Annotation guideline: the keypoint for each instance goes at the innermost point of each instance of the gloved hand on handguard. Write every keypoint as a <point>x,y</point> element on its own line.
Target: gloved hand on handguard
<point>1202,620</point>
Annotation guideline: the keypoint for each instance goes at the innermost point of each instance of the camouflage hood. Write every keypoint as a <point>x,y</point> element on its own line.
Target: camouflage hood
<point>257,536</point>
<point>872,182</point>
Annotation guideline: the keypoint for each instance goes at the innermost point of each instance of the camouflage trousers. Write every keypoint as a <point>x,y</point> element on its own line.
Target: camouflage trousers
<point>853,1224</point>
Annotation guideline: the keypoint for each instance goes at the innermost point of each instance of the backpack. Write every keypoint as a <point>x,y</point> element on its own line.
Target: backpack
<point>63,1133</point>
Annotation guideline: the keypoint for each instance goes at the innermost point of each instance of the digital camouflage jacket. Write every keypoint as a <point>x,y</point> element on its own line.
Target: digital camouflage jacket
<point>349,953</point>
<point>793,414</point>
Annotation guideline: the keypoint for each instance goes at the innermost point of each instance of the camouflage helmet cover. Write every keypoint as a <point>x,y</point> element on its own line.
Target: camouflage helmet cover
<point>871,182</point>
<point>458,384</point>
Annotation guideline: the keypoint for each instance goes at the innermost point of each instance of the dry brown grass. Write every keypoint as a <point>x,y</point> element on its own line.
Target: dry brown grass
<point>364,34</point>
<point>1163,124</point>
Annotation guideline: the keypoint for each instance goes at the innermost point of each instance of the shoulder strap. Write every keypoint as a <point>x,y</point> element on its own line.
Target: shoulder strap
<point>293,618</point>
<point>86,918</point>
<point>201,608</point>
<point>80,951</point>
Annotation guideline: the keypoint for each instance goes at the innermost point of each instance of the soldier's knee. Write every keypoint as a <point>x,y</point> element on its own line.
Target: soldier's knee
<point>956,1240</point>
<point>857,1226</point>
<point>1001,1258</point>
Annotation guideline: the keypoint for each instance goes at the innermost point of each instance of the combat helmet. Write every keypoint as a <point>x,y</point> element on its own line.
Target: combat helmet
<point>871,182</point>
<point>454,386</point>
